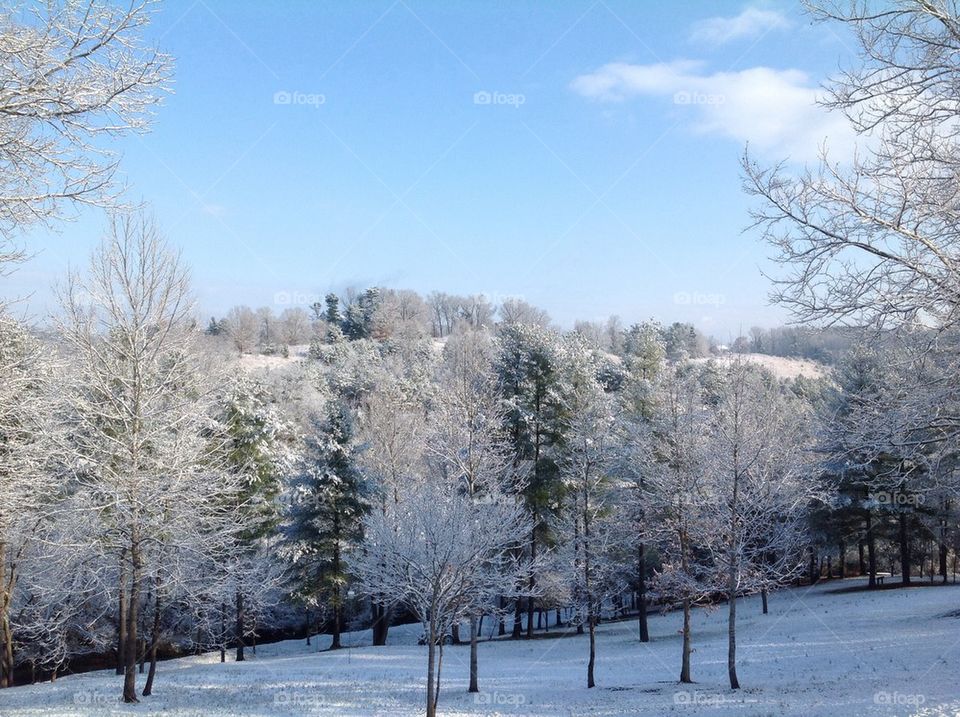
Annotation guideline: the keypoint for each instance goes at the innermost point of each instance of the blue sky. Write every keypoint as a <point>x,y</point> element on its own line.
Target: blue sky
<point>581,154</point>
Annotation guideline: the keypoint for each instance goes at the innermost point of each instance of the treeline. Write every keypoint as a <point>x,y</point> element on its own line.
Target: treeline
<point>509,473</point>
<point>383,313</point>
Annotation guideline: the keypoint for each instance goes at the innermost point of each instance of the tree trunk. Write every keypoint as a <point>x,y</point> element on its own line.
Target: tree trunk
<point>154,642</point>
<point>130,646</point>
<point>943,562</point>
<point>685,666</point>
<point>732,629</point>
<point>533,582</point>
<point>593,647</point>
<point>842,558</point>
<point>238,633</point>
<point>7,582</point>
<point>860,556</point>
<point>474,683</point>
<point>381,624</point>
<point>871,551</point>
<point>337,606</point>
<point>904,550</point>
<point>223,632</point>
<point>431,657</point>
<point>122,613</point>
<point>763,599</point>
<point>642,593</point>
<point>517,631</point>
<point>501,622</point>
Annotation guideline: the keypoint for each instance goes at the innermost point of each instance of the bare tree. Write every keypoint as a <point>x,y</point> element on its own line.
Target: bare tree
<point>138,410</point>
<point>73,73</point>
<point>243,327</point>
<point>758,492</point>
<point>439,563</point>
<point>676,493</point>
<point>588,526</point>
<point>294,326</point>
<point>466,440</point>
<point>517,311</point>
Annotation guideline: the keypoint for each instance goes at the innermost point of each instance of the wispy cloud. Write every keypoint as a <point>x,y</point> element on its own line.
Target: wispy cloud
<point>752,22</point>
<point>774,110</point>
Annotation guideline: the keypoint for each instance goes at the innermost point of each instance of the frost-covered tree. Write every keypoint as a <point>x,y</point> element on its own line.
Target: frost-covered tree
<point>438,562</point>
<point>676,494</point>
<point>531,366</point>
<point>28,485</point>
<point>242,325</point>
<point>587,526</point>
<point>328,503</point>
<point>252,441</point>
<point>393,432</point>
<point>138,413</point>
<point>467,444</point>
<point>73,74</point>
<point>758,491</point>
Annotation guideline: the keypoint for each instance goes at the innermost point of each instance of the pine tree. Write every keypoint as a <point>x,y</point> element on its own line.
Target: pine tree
<point>328,506</point>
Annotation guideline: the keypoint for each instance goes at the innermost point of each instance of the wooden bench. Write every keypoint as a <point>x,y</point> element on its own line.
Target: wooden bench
<point>881,576</point>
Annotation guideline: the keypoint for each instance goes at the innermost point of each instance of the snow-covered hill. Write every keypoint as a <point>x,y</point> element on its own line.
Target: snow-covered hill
<point>779,366</point>
<point>892,652</point>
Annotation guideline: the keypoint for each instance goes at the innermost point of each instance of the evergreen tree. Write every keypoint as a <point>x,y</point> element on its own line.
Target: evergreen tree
<point>329,503</point>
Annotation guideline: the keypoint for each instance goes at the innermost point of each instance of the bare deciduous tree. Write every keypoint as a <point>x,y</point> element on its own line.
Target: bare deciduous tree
<point>73,73</point>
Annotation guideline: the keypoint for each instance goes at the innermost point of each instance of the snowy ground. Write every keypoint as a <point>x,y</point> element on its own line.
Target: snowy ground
<point>779,366</point>
<point>893,652</point>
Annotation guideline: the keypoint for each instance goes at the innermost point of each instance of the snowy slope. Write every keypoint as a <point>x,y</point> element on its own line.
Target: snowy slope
<point>893,652</point>
<point>779,366</point>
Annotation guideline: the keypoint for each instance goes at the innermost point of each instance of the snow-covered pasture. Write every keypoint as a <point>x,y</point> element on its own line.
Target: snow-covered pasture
<point>818,652</point>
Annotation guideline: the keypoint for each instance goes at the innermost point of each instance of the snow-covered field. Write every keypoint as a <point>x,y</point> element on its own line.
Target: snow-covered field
<point>894,652</point>
<point>779,366</point>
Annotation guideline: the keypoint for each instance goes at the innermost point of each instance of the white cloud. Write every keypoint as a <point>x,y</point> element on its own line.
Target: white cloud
<point>752,22</point>
<point>774,110</point>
